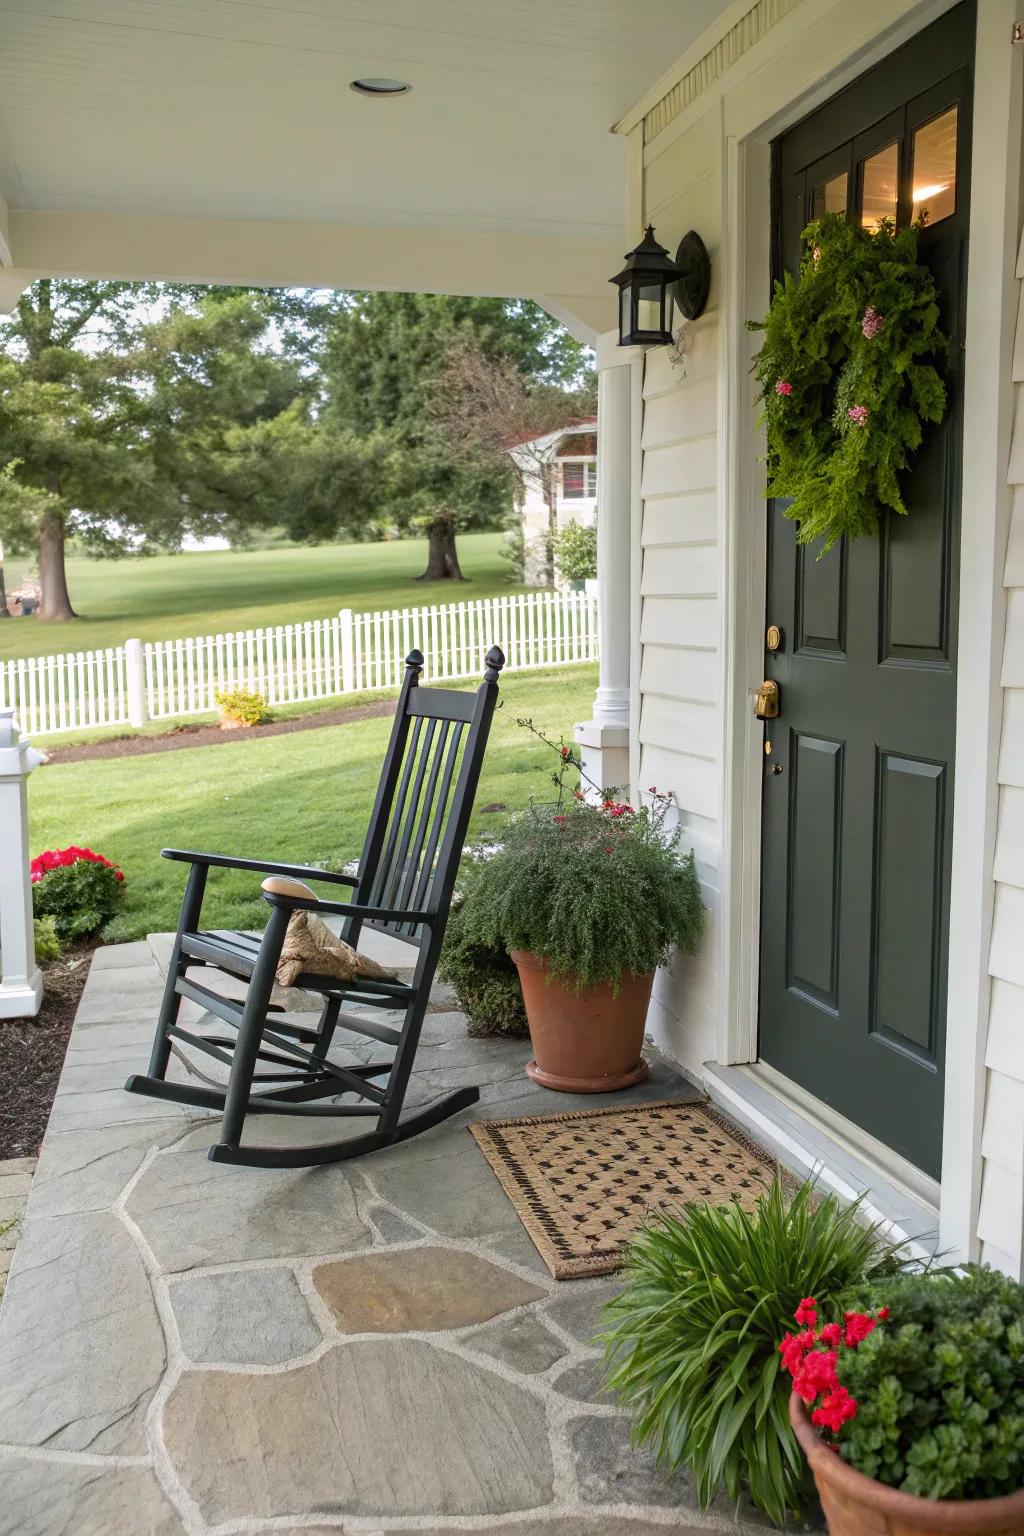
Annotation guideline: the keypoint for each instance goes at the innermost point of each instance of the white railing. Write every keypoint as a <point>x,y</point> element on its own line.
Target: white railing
<point>295,663</point>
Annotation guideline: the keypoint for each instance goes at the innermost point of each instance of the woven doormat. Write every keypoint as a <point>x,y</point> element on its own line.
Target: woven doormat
<point>583,1182</point>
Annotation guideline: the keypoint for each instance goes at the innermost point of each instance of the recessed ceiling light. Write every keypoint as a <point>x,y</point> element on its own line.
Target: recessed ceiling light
<point>379,86</point>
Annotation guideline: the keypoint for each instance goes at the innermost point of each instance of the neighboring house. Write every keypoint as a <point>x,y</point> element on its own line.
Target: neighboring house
<point>859,997</point>
<point>558,472</point>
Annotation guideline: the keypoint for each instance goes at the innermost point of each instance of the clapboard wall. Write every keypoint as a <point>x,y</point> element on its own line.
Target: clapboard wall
<point>1002,1187</point>
<point>680,681</point>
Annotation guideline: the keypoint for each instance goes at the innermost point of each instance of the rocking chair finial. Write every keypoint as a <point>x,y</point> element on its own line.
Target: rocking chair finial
<point>495,660</point>
<point>414,660</point>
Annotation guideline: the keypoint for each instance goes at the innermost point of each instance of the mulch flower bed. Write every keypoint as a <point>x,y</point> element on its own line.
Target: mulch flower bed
<point>32,1054</point>
<point>182,736</point>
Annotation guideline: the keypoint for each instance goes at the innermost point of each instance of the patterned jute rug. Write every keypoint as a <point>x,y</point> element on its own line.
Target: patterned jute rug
<point>583,1182</point>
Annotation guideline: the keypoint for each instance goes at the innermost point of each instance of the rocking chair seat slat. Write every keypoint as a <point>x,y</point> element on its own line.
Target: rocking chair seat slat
<point>407,872</point>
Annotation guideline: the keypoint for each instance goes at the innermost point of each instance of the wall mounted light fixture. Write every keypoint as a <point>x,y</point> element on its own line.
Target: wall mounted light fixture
<point>651,283</point>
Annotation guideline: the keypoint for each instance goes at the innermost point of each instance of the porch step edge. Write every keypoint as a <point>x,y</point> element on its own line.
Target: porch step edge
<point>804,1148</point>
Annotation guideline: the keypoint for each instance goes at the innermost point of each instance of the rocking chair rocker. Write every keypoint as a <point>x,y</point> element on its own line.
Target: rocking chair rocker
<point>404,887</point>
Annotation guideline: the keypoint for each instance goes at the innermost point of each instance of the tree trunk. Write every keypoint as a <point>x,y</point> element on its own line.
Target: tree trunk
<point>3,590</point>
<point>551,497</point>
<point>55,600</point>
<point>442,556</point>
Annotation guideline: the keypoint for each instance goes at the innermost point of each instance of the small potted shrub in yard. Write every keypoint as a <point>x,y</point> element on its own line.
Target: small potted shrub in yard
<point>240,709</point>
<point>588,900</point>
<point>909,1405</point>
<point>692,1341</point>
<point>76,888</point>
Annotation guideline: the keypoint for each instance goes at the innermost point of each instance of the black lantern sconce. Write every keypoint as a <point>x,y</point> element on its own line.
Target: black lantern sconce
<point>651,283</point>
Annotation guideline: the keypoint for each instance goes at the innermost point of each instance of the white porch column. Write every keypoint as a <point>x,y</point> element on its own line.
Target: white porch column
<point>604,739</point>
<point>21,985</point>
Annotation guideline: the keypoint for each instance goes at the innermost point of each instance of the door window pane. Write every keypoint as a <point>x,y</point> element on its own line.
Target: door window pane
<point>829,197</point>
<point>880,175</point>
<point>934,190</point>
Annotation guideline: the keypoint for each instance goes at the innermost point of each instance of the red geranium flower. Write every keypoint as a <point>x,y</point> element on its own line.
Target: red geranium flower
<point>793,1348</point>
<point>835,1410</point>
<point>806,1313</point>
<point>858,1326</point>
<point>816,1375</point>
<point>63,858</point>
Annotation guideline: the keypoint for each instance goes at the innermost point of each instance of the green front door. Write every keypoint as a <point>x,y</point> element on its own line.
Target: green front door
<point>858,786</point>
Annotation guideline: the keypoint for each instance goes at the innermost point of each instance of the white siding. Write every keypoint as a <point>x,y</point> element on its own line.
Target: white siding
<point>1001,1214</point>
<point>679,721</point>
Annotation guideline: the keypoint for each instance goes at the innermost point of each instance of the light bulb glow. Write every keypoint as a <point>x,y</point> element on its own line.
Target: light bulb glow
<point>921,193</point>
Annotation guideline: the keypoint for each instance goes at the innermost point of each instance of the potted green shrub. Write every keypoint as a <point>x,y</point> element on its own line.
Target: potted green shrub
<point>588,900</point>
<point>909,1405</point>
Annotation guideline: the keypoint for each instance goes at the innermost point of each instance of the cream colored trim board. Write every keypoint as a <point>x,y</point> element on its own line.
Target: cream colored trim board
<point>731,47</point>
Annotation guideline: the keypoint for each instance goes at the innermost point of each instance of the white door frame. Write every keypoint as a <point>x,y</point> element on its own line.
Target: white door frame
<point>991,312</point>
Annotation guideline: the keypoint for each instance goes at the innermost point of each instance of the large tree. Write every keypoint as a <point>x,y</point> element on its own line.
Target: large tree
<point>132,415</point>
<point>384,359</point>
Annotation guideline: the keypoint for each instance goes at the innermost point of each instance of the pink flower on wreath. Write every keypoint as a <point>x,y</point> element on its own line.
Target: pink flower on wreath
<point>872,323</point>
<point>859,414</point>
<point>783,387</point>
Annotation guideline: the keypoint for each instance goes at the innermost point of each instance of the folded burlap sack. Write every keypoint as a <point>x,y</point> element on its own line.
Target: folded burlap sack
<point>309,945</point>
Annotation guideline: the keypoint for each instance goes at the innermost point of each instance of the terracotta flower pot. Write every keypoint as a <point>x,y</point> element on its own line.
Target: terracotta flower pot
<point>586,1042</point>
<point>855,1504</point>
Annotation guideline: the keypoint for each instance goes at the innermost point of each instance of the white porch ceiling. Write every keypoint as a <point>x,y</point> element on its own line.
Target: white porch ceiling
<point>239,110</point>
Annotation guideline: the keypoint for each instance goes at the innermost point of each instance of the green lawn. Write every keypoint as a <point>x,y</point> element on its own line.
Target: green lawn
<point>205,592</point>
<point>301,797</point>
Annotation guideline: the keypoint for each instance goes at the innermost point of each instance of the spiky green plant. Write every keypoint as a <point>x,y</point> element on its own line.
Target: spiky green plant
<point>692,1340</point>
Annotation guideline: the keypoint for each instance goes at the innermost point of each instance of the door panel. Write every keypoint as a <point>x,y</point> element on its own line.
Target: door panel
<point>858,801</point>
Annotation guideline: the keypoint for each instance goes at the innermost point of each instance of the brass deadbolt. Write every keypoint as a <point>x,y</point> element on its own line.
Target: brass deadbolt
<point>773,639</point>
<point>766,706</point>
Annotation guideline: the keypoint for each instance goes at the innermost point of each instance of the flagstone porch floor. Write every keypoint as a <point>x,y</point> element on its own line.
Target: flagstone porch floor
<point>369,1347</point>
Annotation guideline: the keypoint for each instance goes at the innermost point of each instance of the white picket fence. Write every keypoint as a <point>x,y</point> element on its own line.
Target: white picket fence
<point>295,663</point>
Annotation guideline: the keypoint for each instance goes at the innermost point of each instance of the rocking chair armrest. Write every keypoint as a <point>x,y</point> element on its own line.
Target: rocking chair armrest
<point>227,861</point>
<point>351,909</point>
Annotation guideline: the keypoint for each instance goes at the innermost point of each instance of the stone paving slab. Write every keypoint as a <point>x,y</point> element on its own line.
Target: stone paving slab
<point>418,1290</point>
<point>81,1345</point>
<point>47,1498</point>
<point>193,1212</point>
<point>374,1428</point>
<point>243,1317</point>
<point>173,1348</point>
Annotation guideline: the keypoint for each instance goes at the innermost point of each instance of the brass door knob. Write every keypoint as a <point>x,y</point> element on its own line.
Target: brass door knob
<point>766,706</point>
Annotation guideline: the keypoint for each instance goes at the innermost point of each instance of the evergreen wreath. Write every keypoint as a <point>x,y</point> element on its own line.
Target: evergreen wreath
<point>848,375</point>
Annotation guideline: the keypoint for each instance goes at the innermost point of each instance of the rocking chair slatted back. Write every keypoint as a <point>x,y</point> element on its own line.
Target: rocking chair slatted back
<point>424,799</point>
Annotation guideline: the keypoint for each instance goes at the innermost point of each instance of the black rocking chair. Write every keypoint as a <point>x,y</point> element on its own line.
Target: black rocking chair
<point>404,887</point>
